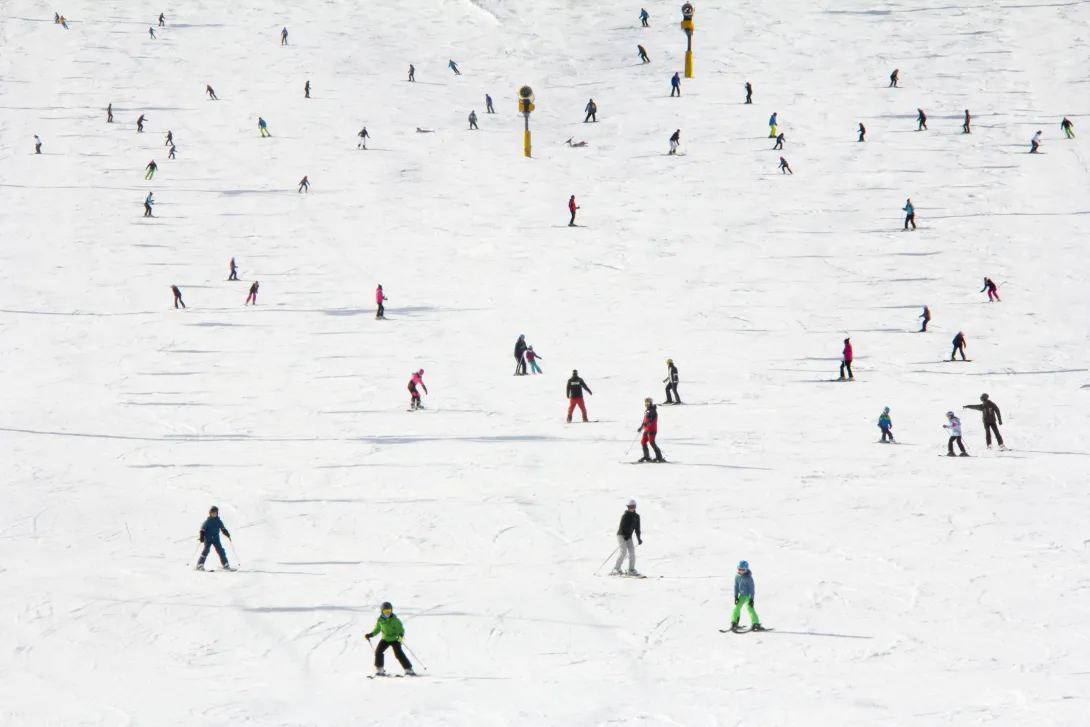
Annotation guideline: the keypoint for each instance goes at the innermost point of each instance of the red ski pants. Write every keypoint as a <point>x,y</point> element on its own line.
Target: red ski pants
<point>648,438</point>
<point>572,403</point>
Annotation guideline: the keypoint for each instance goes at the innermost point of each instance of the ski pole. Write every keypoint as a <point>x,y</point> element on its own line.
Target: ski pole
<point>607,560</point>
<point>633,443</point>
<point>414,656</point>
<point>233,551</point>
<point>191,557</point>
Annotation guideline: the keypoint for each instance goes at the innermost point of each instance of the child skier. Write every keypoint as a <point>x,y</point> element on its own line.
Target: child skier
<point>148,202</point>
<point>785,168</point>
<point>675,141</point>
<point>671,381</point>
<point>650,429</point>
<point>414,400</point>
<point>1035,143</point>
<point>846,361</point>
<point>779,141</point>
<point>170,154</point>
<point>926,315</point>
<point>574,391</point>
<point>630,524</point>
<point>531,358</point>
<point>210,536</point>
<point>744,596</point>
<point>380,297</point>
<point>954,425</point>
<point>252,297</point>
<point>886,425</point>
<point>304,184</point>
<point>393,633</point>
<point>959,346</point>
<point>993,290</point>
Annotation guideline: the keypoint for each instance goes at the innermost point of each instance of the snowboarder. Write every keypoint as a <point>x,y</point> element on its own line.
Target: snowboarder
<point>785,168</point>
<point>572,207</point>
<point>151,31</point>
<point>140,124</point>
<point>151,167</point>
<point>910,214</point>
<point>412,73</point>
<point>965,124</point>
<point>110,113</point>
<point>148,202</point>
<point>630,525</point>
<point>488,105</point>
<point>169,139</point>
<point>744,597</point>
<point>675,141</point>
<point>262,127</point>
<point>992,415</point>
<point>520,352</point>
<point>959,346</point>
<point>921,117</point>
<point>779,141</point>
<point>1068,127</point>
<point>926,315</point>
<point>393,633</point>
<point>846,361</point>
<point>37,145</point>
<point>306,90</point>
<point>894,77</point>
<point>252,297</point>
<point>234,271</point>
<point>1035,143</point>
<point>993,290</point>
<point>531,358</point>
<point>284,36</point>
<point>177,297</point>
<point>954,425</point>
<point>772,125</point>
<point>643,54</point>
<point>592,111</point>
<point>650,429</point>
<point>671,381</point>
<point>304,184</point>
<point>643,17</point>
<point>472,119</point>
<point>454,67</point>
<point>862,132</point>
<point>886,424</point>
<point>749,92</point>
<point>675,85</point>
<point>380,298</point>
<point>170,154</point>
<point>414,395</point>
<point>162,19</point>
<point>364,136</point>
<point>211,93</point>
<point>574,391</point>
<point>210,536</point>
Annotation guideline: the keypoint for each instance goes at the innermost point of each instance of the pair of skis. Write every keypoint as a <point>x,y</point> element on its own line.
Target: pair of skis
<point>743,631</point>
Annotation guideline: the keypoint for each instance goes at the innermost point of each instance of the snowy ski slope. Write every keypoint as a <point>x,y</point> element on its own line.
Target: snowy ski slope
<point>905,588</point>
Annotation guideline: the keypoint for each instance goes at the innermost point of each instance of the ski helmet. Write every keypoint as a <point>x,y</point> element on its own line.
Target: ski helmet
<point>743,564</point>
<point>420,372</point>
<point>522,335</point>
<point>213,509</point>
<point>575,372</point>
<point>983,397</point>
<point>669,360</point>
<point>886,410</point>
<point>949,415</point>
<point>632,503</point>
<point>380,286</point>
<point>648,401</point>
<point>387,606</point>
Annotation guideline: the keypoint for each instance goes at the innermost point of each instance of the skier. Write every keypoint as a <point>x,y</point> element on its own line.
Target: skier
<point>921,117</point>
<point>414,395</point>
<point>304,184</point>
<point>910,214</point>
<point>592,111</point>
<point>643,54</point>
<point>454,67</point>
<point>574,392</point>
<point>170,138</point>
<point>531,358</point>
<point>210,536</point>
<point>576,144</point>
<point>772,125</point>
<point>894,77</point>
<point>306,90</point>
<point>177,297</point>
<point>1035,143</point>
<point>151,31</point>
<point>749,92</point>
<point>643,17</point>
<point>364,136</point>
<point>488,105</point>
<point>846,361</point>
<point>675,85</point>
<point>965,124</point>
<point>393,633</point>
<point>992,415</point>
<point>170,155</point>
<point>151,167</point>
<point>959,346</point>
<point>886,424</point>
<point>954,425</point>
<point>993,290</point>
<point>64,23</point>
<point>785,168</point>
<point>211,93</point>
<point>56,18</point>
<point>572,207</point>
<point>1068,127</point>
<point>37,145</point>
<point>380,297</point>
<point>650,429</point>
<point>162,19</point>
<point>675,141</point>
<point>284,36</point>
<point>744,597</point>
<point>262,127</point>
<point>779,141</point>
<point>412,73</point>
<point>140,124</point>
<point>252,297</point>
<point>148,202</point>
<point>630,525</point>
<point>671,381</point>
<point>110,113</point>
<point>520,351</point>
<point>862,131</point>
<point>926,315</point>
<point>472,119</point>
<point>234,271</point>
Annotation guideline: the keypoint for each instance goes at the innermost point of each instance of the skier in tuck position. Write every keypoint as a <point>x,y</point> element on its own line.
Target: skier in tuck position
<point>671,381</point>
<point>846,361</point>
<point>992,415</point>
<point>414,400</point>
<point>380,297</point>
<point>993,290</point>
<point>954,425</point>
<point>886,425</point>
<point>210,536</point>
<point>650,429</point>
<point>630,524</point>
<point>520,355</point>
<point>959,346</point>
<point>574,391</point>
<point>745,594</point>
<point>393,633</point>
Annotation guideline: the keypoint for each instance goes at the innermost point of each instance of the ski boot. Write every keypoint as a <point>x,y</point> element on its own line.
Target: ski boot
<point>410,673</point>
<point>734,626</point>
<point>227,566</point>
<point>632,572</point>
<point>757,627</point>
<point>646,455</point>
<point>950,454</point>
<point>616,572</point>
<point>380,672</point>
<point>200,566</point>
<point>964,454</point>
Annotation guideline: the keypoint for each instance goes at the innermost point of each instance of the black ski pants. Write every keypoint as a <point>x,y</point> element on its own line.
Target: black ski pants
<point>571,222</point>
<point>177,300</point>
<point>208,545</point>
<point>990,427</point>
<point>957,350</point>
<point>591,115</point>
<point>846,365</point>
<point>380,654</point>
<point>923,328</point>
<point>672,397</point>
<point>861,135</point>
<point>234,275</point>
<point>910,219</point>
<point>950,445</point>
<point>381,313</point>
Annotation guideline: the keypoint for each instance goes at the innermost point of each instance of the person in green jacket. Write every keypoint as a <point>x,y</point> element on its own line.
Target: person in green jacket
<point>392,632</point>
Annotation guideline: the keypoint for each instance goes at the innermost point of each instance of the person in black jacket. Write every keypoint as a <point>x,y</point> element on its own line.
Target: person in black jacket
<point>992,415</point>
<point>574,392</point>
<point>749,92</point>
<point>177,296</point>
<point>671,380</point>
<point>520,357</point>
<point>921,119</point>
<point>630,524</point>
<point>210,536</point>
<point>649,427</point>
<point>959,346</point>
<point>862,131</point>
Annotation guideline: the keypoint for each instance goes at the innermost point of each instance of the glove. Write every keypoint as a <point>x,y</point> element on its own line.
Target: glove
<point>735,603</point>
<point>367,636</point>
<point>753,601</point>
<point>202,536</point>
<point>640,429</point>
<point>400,639</point>
<point>639,541</point>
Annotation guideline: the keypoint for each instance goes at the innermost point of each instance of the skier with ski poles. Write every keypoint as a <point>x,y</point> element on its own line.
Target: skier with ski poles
<point>574,391</point>
<point>520,352</point>
<point>393,634</point>
<point>414,400</point>
<point>745,594</point>
<point>210,92</point>
<point>210,536</point>
<point>630,525</point>
<point>454,67</point>
<point>992,415</point>
<point>671,381</point>
<point>531,358</point>
<point>252,297</point>
<point>926,315</point>
<point>846,361</point>
<point>954,425</point>
<point>151,169</point>
<point>650,429</point>
<point>234,271</point>
<point>364,136</point>
<point>177,296</point>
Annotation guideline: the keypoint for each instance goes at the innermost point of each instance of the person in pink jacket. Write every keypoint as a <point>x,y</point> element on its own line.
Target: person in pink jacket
<point>846,363</point>
<point>414,402</point>
<point>379,297</point>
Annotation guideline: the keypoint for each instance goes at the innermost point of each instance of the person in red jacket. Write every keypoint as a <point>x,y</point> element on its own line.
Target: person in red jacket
<point>846,363</point>
<point>379,297</point>
<point>572,207</point>
<point>650,429</point>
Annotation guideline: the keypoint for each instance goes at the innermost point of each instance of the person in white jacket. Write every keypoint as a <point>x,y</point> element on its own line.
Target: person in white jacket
<point>954,425</point>
<point>1035,143</point>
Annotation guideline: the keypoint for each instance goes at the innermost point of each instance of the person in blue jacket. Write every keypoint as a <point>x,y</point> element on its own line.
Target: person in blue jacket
<point>910,214</point>
<point>210,536</point>
<point>643,17</point>
<point>284,36</point>
<point>886,424</point>
<point>454,67</point>
<point>262,127</point>
<point>744,594</point>
<point>772,126</point>
<point>675,85</point>
<point>488,104</point>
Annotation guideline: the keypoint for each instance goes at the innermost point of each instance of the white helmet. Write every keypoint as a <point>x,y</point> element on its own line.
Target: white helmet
<point>632,503</point>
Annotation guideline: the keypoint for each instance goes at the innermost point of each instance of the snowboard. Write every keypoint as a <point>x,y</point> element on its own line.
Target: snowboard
<point>650,462</point>
<point>956,455</point>
<point>391,676</point>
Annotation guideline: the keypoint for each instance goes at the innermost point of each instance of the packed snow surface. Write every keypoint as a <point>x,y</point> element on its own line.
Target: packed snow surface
<point>904,587</point>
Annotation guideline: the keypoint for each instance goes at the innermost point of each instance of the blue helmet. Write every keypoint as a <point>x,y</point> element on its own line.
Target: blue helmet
<point>743,564</point>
